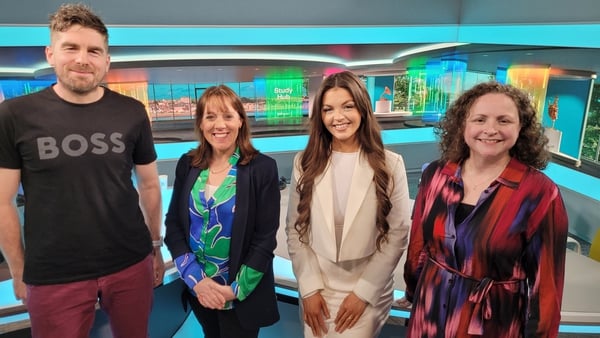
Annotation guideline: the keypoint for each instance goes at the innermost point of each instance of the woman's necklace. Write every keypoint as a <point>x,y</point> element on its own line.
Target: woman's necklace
<point>476,185</point>
<point>218,171</point>
<point>485,181</point>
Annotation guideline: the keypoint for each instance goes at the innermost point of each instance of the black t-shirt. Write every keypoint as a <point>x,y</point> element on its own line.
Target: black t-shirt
<point>82,215</point>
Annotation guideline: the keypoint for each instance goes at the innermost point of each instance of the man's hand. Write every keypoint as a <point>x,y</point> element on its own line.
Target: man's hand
<point>20,290</point>
<point>158,264</point>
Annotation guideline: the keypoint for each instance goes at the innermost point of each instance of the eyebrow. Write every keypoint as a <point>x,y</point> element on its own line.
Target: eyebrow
<point>486,115</point>
<point>73,44</point>
<point>343,103</point>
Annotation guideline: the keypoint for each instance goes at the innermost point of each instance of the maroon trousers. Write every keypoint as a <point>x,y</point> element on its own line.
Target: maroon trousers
<point>67,310</point>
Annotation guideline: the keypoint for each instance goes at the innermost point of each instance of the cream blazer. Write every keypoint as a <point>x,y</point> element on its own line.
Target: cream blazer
<point>359,234</point>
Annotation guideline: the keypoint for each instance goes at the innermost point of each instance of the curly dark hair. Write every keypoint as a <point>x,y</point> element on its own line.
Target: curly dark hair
<point>69,15</point>
<point>318,151</point>
<point>221,96</point>
<point>531,146</point>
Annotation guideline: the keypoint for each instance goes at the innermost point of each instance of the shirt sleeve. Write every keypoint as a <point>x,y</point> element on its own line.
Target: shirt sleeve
<point>145,151</point>
<point>9,155</point>
<point>545,266</point>
<point>245,282</point>
<point>383,262</point>
<point>304,260</point>
<point>189,269</point>
<point>416,253</point>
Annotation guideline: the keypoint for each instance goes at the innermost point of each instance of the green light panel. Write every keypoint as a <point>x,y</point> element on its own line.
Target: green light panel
<point>284,94</point>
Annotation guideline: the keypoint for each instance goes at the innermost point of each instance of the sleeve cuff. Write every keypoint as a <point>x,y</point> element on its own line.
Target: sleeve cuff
<point>189,269</point>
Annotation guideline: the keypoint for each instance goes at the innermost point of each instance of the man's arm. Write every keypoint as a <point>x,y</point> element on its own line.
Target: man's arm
<point>151,205</point>
<point>150,199</point>
<point>11,242</point>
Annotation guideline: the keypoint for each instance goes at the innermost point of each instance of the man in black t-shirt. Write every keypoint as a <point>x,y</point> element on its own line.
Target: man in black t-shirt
<point>89,235</point>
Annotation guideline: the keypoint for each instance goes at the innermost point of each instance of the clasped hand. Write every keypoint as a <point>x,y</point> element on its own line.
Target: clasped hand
<point>213,295</point>
<point>316,312</point>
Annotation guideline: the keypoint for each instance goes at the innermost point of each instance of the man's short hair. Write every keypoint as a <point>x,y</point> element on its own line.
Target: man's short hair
<point>69,15</point>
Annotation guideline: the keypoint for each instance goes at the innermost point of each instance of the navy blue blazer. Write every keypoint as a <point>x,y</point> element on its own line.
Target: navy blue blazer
<point>253,237</point>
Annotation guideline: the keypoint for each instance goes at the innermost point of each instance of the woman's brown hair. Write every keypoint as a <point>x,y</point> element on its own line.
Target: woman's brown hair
<point>316,156</point>
<point>220,96</point>
<point>531,145</point>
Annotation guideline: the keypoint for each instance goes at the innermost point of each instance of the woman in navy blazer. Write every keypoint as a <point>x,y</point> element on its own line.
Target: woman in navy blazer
<point>222,222</point>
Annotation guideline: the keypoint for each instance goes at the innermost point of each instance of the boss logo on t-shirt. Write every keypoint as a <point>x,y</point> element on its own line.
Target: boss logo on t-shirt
<point>76,145</point>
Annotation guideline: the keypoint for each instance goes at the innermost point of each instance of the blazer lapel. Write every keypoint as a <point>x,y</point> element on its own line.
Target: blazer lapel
<point>185,198</point>
<point>240,220</point>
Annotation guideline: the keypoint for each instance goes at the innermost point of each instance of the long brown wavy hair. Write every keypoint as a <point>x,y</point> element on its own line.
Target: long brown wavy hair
<point>315,157</point>
<point>221,96</point>
<point>531,146</point>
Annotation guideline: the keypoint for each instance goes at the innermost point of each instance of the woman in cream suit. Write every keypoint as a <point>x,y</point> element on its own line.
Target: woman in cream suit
<point>348,215</point>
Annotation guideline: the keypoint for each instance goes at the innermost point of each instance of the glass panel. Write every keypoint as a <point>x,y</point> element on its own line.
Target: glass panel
<point>591,136</point>
<point>162,105</point>
<point>182,101</point>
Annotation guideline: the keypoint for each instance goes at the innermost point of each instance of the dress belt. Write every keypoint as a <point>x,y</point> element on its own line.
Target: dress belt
<point>482,309</point>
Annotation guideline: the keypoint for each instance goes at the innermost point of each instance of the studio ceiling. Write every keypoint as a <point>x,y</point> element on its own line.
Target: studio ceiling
<point>232,40</point>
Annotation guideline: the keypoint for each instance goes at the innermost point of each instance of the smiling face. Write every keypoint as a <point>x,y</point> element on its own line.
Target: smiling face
<point>220,126</point>
<point>492,127</point>
<point>341,118</point>
<point>80,59</point>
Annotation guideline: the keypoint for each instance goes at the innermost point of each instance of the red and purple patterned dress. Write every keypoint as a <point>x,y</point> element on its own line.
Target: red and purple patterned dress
<point>500,271</point>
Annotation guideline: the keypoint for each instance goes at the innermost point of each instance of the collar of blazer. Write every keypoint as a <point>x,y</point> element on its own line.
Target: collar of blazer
<point>362,178</point>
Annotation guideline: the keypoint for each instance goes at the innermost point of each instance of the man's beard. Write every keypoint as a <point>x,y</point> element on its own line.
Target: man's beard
<point>81,87</point>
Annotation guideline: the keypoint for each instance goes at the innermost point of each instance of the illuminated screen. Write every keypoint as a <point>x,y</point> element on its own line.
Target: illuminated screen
<point>284,94</point>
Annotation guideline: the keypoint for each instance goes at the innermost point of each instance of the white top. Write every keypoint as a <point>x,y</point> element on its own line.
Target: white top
<point>209,191</point>
<point>343,168</point>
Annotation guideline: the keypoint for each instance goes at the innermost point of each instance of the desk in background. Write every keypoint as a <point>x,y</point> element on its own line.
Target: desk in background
<point>581,297</point>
